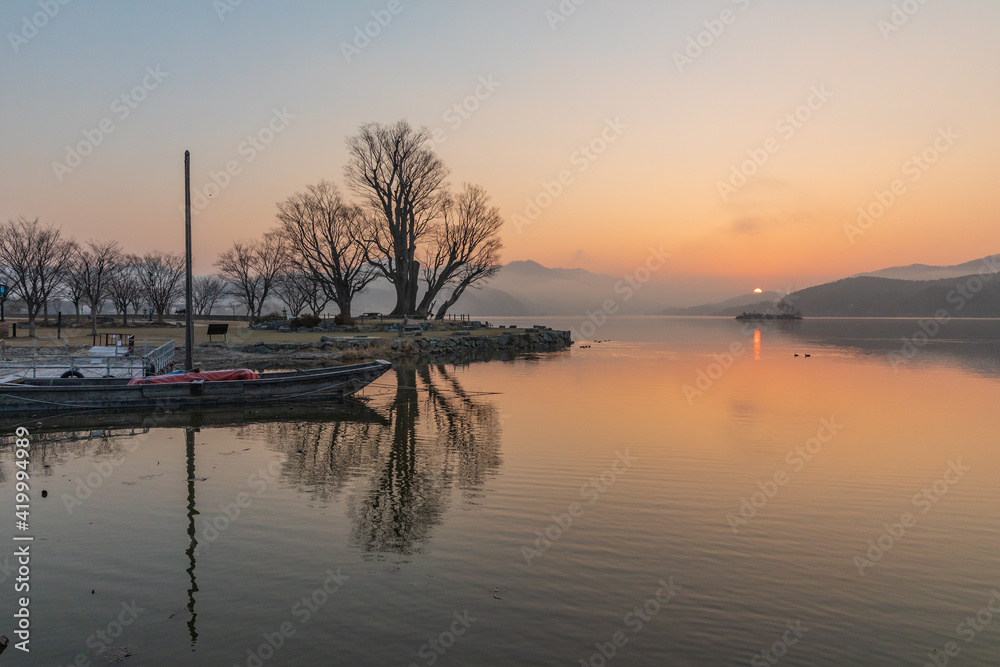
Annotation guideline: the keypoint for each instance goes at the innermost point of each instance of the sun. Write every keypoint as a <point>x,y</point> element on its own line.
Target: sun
<point>758,291</point>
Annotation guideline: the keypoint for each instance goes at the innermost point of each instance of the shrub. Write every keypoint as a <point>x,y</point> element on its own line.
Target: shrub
<point>306,321</point>
<point>342,321</point>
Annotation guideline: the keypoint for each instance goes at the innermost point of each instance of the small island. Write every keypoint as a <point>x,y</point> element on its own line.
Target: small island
<point>769,316</point>
<point>785,311</point>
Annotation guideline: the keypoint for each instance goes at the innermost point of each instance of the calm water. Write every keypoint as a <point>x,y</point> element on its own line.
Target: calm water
<point>651,499</point>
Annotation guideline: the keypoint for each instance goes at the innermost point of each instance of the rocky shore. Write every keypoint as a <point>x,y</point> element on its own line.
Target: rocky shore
<point>459,345</point>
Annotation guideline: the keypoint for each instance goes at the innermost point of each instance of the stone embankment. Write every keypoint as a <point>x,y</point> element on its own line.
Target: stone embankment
<point>531,341</point>
<point>414,346</point>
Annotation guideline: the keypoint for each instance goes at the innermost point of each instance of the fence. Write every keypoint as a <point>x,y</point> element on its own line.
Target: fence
<point>55,359</point>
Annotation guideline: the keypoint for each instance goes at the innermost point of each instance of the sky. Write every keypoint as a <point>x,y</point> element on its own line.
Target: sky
<point>744,138</point>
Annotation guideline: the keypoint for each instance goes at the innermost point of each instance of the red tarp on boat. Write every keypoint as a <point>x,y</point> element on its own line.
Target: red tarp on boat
<point>207,376</point>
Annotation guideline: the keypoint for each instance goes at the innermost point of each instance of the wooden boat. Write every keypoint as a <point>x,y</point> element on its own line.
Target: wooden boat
<point>53,395</point>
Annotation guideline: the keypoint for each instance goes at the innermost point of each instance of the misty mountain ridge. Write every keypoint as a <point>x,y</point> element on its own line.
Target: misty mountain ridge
<point>526,288</point>
<point>917,290</point>
<point>930,272</point>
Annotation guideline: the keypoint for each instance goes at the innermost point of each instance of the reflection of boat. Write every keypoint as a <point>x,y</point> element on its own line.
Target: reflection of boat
<point>111,422</point>
<point>48,395</point>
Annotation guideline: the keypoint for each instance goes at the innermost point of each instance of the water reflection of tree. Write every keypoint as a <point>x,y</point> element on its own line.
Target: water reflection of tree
<point>52,449</point>
<point>398,473</point>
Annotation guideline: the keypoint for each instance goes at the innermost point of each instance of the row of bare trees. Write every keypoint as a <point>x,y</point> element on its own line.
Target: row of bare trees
<point>407,227</point>
<point>40,265</point>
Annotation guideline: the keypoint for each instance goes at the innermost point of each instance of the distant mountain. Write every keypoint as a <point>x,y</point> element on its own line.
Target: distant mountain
<point>526,288</point>
<point>547,291</point>
<point>928,272</point>
<point>918,290</point>
<point>865,296</point>
<point>734,306</point>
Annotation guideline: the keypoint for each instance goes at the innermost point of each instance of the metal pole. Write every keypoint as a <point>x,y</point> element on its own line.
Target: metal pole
<point>189,330</point>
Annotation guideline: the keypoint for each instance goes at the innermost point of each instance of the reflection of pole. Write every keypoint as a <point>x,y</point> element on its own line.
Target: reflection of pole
<point>192,547</point>
<point>189,333</point>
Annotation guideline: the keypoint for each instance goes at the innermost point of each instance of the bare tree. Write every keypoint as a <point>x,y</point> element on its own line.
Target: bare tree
<point>73,286</point>
<point>125,286</point>
<point>96,261</point>
<point>205,292</point>
<point>162,277</point>
<point>35,258</point>
<point>293,288</point>
<point>251,267</point>
<point>324,235</point>
<point>301,292</point>
<point>402,184</point>
<point>465,250</point>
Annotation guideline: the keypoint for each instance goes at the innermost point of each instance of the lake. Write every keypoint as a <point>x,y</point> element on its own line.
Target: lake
<point>691,492</point>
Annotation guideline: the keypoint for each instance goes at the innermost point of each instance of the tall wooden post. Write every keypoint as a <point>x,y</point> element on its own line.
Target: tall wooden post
<point>189,329</point>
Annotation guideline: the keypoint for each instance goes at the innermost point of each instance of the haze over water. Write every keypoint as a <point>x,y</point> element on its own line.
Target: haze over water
<point>423,512</point>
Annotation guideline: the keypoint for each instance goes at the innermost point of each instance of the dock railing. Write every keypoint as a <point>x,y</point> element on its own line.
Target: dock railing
<point>55,359</point>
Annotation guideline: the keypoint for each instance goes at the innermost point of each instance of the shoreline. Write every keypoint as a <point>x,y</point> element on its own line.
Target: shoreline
<point>344,350</point>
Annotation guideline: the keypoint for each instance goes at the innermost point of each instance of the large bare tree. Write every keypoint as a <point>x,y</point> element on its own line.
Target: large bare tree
<point>402,184</point>
<point>125,286</point>
<point>326,239</point>
<point>251,267</point>
<point>465,250</point>
<point>96,262</point>
<point>205,292</point>
<point>162,277</point>
<point>35,258</point>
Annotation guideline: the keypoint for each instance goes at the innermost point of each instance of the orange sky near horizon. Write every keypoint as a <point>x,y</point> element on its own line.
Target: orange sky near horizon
<point>817,110</point>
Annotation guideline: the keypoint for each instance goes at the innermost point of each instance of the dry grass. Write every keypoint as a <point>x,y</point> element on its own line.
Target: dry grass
<point>239,334</point>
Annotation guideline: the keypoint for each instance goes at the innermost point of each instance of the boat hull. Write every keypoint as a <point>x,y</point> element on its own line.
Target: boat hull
<point>45,396</point>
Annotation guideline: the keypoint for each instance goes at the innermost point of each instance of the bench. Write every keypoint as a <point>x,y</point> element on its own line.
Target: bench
<point>218,330</point>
